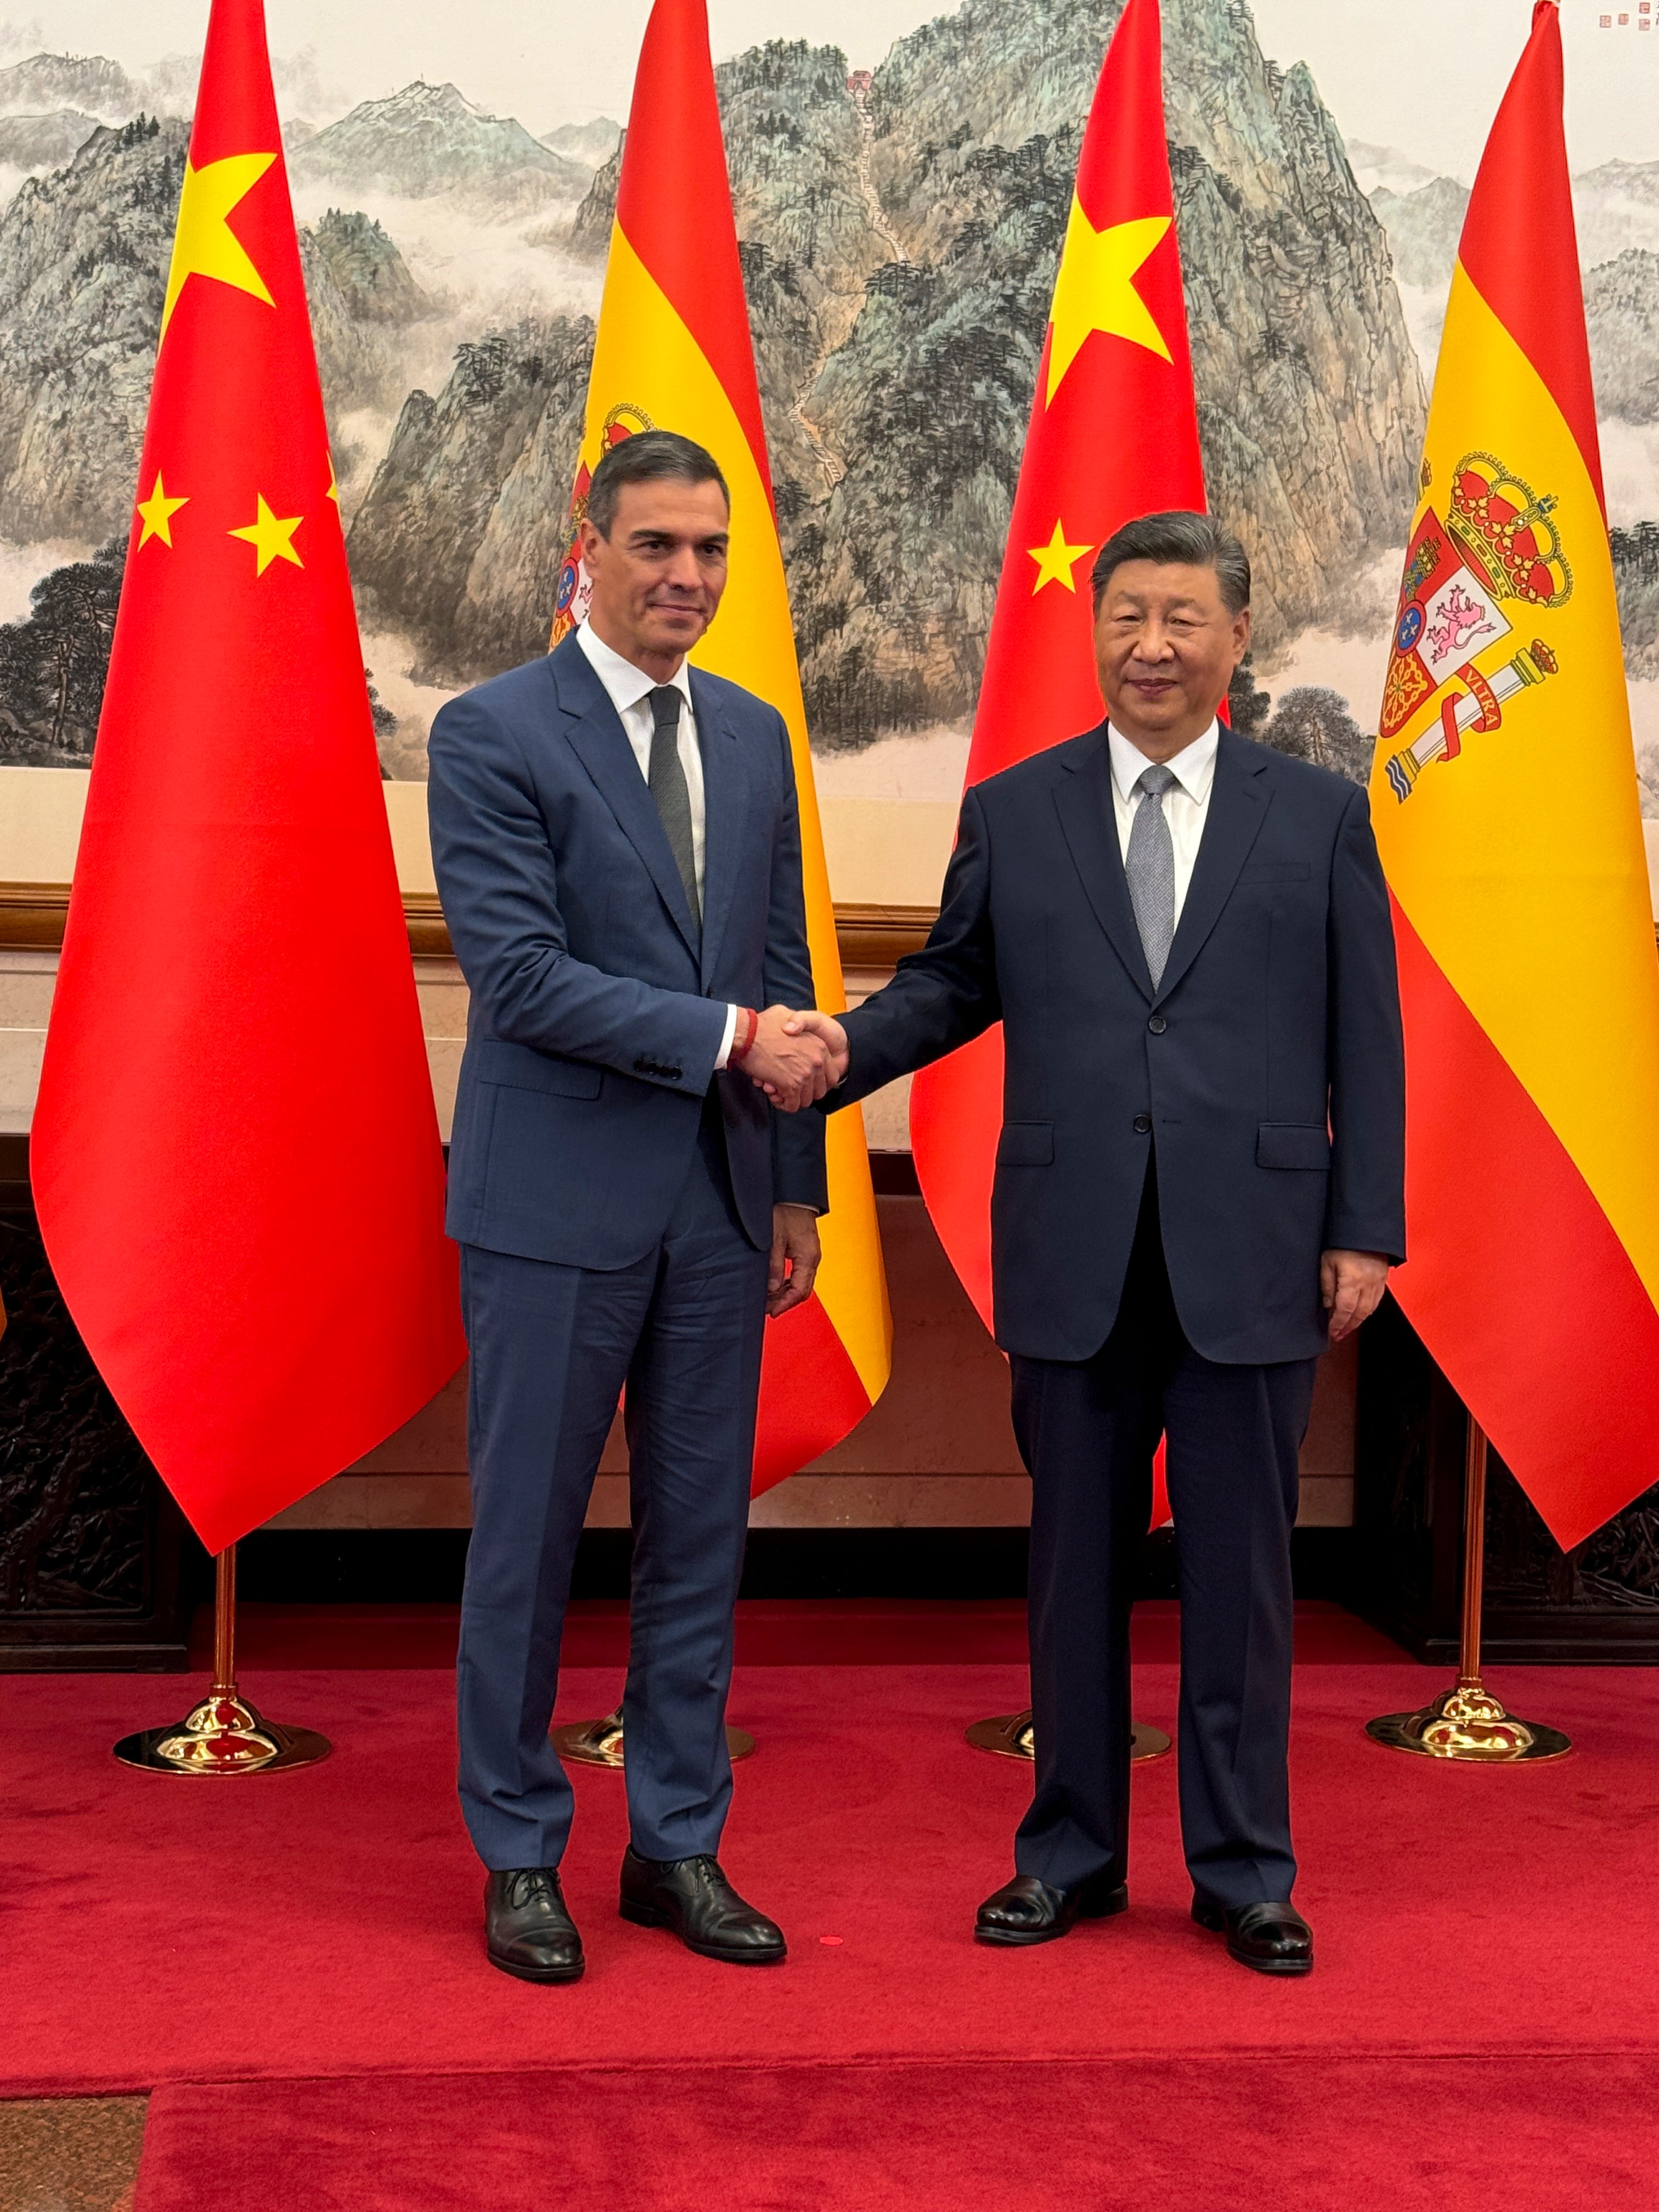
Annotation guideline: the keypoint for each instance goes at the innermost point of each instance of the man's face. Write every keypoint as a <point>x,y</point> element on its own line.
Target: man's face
<point>1166,648</point>
<point>657,577</point>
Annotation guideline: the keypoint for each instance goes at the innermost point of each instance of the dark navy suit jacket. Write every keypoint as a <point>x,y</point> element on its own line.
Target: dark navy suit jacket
<point>598,1006</point>
<point>1266,1068</point>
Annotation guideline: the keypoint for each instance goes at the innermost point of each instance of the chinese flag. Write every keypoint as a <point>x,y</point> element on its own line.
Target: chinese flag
<point>1505,801</point>
<point>234,1155</point>
<point>1113,435</point>
<point>673,352</point>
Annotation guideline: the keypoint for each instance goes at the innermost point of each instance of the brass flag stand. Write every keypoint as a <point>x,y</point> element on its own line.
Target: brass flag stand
<point>224,1735</point>
<point>599,1743</point>
<point>1011,1736</point>
<point>1466,1722</point>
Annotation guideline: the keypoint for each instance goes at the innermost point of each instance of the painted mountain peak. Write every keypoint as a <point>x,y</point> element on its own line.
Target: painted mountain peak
<point>591,143</point>
<point>430,138</point>
<point>88,82</point>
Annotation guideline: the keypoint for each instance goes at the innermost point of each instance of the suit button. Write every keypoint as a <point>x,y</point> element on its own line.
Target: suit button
<point>1143,1125</point>
<point>1158,1026</point>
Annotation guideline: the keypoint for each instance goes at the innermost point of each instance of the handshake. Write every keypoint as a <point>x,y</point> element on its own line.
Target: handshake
<point>794,1058</point>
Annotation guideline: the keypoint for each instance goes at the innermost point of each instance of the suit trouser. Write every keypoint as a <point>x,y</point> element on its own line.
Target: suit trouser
<point>1088,1431</point>
<point>552,1347</point>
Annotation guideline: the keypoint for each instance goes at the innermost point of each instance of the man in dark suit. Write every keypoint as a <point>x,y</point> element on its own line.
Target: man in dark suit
<point>618,855</point>
<point>1199,1184</point>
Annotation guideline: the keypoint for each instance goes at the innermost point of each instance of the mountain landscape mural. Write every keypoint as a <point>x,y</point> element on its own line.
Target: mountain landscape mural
<point>900,232</point>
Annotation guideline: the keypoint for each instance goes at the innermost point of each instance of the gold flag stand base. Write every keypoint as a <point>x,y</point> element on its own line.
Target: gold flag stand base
<point>599,1743</point>
<point>1467,1723</point>
<point>1011,1736</point>
<point>225,1734</point>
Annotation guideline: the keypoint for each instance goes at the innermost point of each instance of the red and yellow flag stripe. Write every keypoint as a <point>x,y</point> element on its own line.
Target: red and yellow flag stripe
<point>674,351</point>
<point>1506,806</point>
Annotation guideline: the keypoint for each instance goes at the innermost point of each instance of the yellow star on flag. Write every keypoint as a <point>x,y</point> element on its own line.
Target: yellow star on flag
<point>1056,560</point>
<point>1095,289</point>
<point>156,513</point>
<point>205,244</point>
<point>333,485</point>
<point>270,535</point>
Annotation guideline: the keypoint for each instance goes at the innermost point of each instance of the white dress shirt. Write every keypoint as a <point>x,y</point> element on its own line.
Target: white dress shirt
<point>629,690</point>
<point>1185,803</point>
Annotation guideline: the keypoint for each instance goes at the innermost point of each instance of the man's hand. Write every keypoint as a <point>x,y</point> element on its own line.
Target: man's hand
<point>1351,1285</point>
<point>790,1065</point>
<point>813,1022</point>
<point>794,1258</point>
<point>824,1030</point>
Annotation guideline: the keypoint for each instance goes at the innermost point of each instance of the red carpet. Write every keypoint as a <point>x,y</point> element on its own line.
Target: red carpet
<point>326,1922</point>
<point>1447,2134</point>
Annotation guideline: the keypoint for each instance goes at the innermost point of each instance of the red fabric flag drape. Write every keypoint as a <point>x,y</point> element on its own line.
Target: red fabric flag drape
<point>1114,434</point>
<point>235,1154</point>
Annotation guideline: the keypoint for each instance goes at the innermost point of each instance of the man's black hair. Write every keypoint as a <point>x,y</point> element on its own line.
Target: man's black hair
<point>648,457</point>
<point>1178,540</point>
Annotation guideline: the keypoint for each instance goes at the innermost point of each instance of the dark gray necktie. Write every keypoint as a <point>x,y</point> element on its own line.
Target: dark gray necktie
<point>668,782</point>
<point>1150,866</point>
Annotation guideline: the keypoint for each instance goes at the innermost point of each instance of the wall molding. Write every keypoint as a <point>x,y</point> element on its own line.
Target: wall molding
<point>32,917</point>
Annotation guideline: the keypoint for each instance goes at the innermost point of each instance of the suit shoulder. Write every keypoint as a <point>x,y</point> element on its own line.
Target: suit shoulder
<point>745,710</point>
<point>505,697</point>
<point>1038,772</point>
<point>1303,780</point>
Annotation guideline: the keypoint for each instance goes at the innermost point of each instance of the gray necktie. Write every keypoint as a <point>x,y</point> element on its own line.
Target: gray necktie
<point>668,782</point>
<point>1150,866</point>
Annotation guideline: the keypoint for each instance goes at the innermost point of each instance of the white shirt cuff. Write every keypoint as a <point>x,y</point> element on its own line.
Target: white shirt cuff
<point>725,1052</point>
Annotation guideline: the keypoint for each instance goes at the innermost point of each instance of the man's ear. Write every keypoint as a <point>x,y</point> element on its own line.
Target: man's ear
<point>1241,634</point>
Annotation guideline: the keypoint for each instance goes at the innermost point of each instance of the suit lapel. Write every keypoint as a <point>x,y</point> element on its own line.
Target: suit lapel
<point>724,792</point>
<point>1238,806</point>
<point>595,736</point>
<point>1087,818</point>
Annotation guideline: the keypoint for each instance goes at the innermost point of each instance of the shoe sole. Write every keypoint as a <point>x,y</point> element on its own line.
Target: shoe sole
<point>1281,1966</point>
<point>538,1973</point>
<point>1206,1917</point>
<point>1018,1940</point>
<point>646,1916</point>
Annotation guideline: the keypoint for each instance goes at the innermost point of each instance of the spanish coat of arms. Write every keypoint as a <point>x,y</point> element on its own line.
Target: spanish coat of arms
<point>1495,547</point>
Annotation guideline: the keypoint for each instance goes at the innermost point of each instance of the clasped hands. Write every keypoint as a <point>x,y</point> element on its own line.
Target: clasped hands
<point>796,1056</point>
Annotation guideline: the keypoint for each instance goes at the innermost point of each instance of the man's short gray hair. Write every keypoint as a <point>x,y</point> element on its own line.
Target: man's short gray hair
<point>1178,540</point>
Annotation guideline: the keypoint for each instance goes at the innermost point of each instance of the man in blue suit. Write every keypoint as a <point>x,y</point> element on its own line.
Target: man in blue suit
<point>1199,1184</point>
<point>617,850</point>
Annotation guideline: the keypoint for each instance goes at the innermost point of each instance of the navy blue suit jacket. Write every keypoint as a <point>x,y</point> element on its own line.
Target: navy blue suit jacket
<point>1266,1068</point>
<point>598,1006</point>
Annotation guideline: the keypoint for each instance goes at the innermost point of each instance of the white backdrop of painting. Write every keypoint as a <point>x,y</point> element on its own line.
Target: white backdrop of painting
<point>902,185</point>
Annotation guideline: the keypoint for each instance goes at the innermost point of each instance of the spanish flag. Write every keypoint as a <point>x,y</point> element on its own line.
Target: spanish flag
<point>674,353</point>
<point>1504,797</point>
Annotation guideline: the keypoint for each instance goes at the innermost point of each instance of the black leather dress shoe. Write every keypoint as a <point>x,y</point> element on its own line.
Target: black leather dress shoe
<point>1274,1938</point>
<point>693,1898</point>
<point>528,1931</point>
<point>1027,1910</point>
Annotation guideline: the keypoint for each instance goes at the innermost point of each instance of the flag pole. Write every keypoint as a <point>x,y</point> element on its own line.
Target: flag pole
<point>1466,1722</point>
<point>223,1735</point>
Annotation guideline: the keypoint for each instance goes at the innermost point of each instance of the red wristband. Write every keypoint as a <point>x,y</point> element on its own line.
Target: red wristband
<point>748,1023</point>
